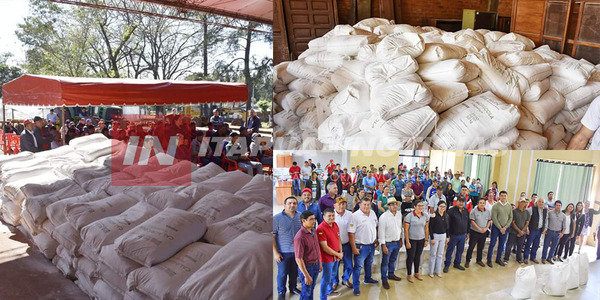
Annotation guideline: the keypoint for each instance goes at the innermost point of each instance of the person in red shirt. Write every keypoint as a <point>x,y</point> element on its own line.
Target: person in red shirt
<point>380,177</point>
<point>330,167</point>
<point>295,174</point>
<point>417,188</point>
<point>345,179</point>
<point>465,194</point>
<point>533,200</point>
<point>328,234</point>
<point>307,252</point>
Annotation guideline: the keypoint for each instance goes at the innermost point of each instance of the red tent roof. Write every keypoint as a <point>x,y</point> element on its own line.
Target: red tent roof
<point>70,91</point>
<point>251,10</point>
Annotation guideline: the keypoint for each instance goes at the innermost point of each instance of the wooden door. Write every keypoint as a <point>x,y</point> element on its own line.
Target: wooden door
<point>306,20</point>
<point>281,49</point>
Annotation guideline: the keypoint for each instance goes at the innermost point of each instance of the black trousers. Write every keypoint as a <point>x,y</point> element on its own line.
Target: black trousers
<point>563,245</point>
<point>413,255</point>
<point>476,239</point>
<point>571,245</point>
<point>514,240</point>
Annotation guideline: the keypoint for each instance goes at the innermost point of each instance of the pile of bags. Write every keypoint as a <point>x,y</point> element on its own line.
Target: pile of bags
<point>156,241</point>
<point>380,85</point>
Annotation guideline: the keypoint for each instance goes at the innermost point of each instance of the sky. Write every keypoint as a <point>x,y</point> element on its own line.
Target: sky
<point>13,12</point>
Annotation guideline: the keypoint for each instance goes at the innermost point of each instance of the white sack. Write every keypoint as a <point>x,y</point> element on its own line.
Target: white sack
<point>582,96</point>
<point>536,90</point>
<point>257,218</point>
<point>82,214</point>
<point>500,79</point>
<point>446,94</point>
<point>467,124</point>
<point>315,87</point>
<point>229,181</point>
<point>555,133</point>
<point>529,121</point>
<point>247,259</point>
<point>163,280</point>
<point>519,58</point>
<point>584,265</point>
<point>218,206</point>
<point>68,237</point>
<point>525,279</point>
<point>547,54</point>
<point>56,210</point>
<point>160,237</point>
<point>564,85</point>
<point>370,24</point>
<point>398,97</point>
<point>259,189</point>
<point>572,69</point>
<point>280,72</point>
<point>378,73</point>
<point>348,44</point>
<point>300,69</point>
<point>550,104</point>
<point>435,52</point>
<point>338,126</point>
<point>399,44</point>
<point>326,60</point>
<point>476,86</point>
<point>529,44</point>
<point>503,142</point>
<point>354,99</point>
<point>573,279</point>
<point>534,73</point>
<point>448,70</point>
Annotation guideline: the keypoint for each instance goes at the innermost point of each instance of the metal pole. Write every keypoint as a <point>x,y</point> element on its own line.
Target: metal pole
<point>62,124</point>
<point>3,129</point>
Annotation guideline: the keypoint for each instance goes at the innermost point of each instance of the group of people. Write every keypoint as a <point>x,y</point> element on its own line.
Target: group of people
<point>380,211</point>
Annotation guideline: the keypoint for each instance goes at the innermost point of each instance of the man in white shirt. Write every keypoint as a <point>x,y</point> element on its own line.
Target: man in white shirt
<point>305,171</point>
<point>589,129</point>
<point>362,234</point>
<point>52,117</point>
<point>353,174</point>
<point>435,199</point>
<point>390,233</point>
<point>342,218</point>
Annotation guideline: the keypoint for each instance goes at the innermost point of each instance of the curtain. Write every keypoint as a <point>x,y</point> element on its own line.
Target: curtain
<point>484,169</point>
<point>467,164</point>
<point>546,178</point>
<point>575,183</point>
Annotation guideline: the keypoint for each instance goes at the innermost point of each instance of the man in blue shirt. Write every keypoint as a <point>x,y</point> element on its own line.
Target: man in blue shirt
<point>427,182</point>
<point>307,204</point>
<point>217,120</point>
<point>399,184</point>
<point>285,226</point>
<point>369,182</point>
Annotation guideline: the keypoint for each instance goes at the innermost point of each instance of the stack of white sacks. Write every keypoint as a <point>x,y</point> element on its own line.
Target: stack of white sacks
<point>157,241</point>
<point>378,85</point>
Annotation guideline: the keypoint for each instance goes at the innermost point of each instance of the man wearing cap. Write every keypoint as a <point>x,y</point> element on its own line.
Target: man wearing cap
<point>285,226</point>
<point>307,204</point>
<point>501,220</point>
<point>307,250</point>
<point>458,225</point>
<point>330,167</point>
<point>328,199</point>
<point>362,234</point>
<point>518,229</point>
<point>342,218</point>
<point>390,238</point>
<point>216,120</point>
<point>435,199</point>
<point>328,234</point>
<point>28,140</point>
<point>52,117</point>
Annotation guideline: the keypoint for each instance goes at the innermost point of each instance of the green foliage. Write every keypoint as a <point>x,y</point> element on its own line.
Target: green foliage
<point>8,73</point>
<point>264,105</point>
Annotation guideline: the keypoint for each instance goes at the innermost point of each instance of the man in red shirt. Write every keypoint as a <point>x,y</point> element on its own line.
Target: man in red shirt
<point>380,177</point>
<point>306,250</point>
<point>295,174</point>
<point>330,167</point>
<point>533,200</point>
<point>328,234</point>
<point>417,188</point>
<point>345,179</point>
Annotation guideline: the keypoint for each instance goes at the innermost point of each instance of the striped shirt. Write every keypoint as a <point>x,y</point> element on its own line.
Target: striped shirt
<point>285,229</point>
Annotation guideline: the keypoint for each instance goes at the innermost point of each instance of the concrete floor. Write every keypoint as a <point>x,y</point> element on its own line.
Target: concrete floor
<point>474,283</point>
<point>25,273</point>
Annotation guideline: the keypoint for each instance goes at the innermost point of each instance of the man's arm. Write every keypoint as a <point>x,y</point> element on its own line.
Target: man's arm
<point>581,139</point>
<point>352,243</point>
<point>276,254</point>
<point>300,262</point>
<point>328,249</point>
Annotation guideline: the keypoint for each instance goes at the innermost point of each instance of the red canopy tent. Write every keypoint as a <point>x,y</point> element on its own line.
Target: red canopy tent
<point>41,90</point>
<point>260,11</point>
<point>69,91</point>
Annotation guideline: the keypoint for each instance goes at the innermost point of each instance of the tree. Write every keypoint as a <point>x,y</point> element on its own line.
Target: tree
<point>8,73</point>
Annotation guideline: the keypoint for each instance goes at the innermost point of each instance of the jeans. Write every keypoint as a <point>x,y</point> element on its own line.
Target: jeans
<point>308,290</point>
<point>388,262</point>
<point>551,238</point>
<point>457,241</point>
<point>513,239</point>
<point>476,238</point>
<point>363,259</point>
<point>347,250</point>
<point>497,235</point>
<point>326,279</point>
<point>296,186</point>
<point>249,167</point>
<point>287,268</point>
<point>533,243</point>
<point>436,253</point>
<point>413,256</point>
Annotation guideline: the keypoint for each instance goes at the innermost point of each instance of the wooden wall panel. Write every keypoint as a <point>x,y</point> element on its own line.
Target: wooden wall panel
<point>528,18</point>
<point>306,20</point>
<point>281,52</point>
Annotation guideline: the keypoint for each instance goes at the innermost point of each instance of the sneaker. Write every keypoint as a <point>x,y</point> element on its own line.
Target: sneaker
<point>385,284</point>
<point>489,263</point>
<point>445,270</point>
<point>334,294</point>
<point>371,281</point>
<point>459,267</point>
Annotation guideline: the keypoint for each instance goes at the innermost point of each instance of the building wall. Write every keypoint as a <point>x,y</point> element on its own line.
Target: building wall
<point>375,157</point>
